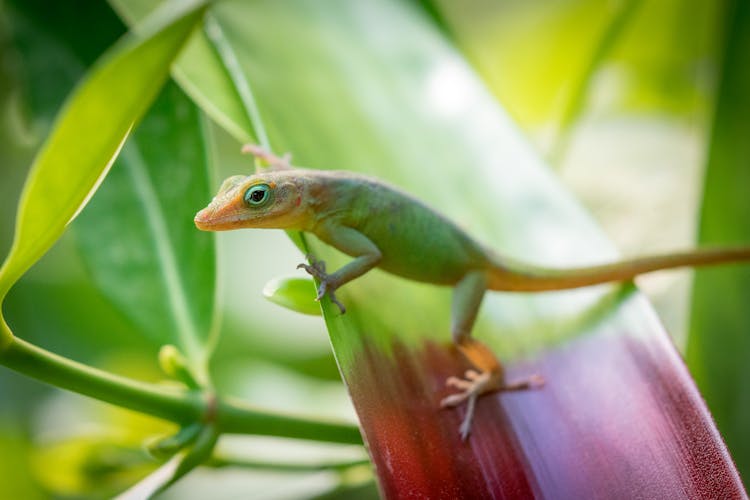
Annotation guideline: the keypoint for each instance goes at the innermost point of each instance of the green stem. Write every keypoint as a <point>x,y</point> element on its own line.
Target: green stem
<point>169,404</point>
<point>234,417</point>
<point>178,406</point>
<point>6,336</point>
<point>228,58</point>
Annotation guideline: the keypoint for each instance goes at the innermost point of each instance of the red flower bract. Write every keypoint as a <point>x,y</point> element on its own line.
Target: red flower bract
<point>619,417</point>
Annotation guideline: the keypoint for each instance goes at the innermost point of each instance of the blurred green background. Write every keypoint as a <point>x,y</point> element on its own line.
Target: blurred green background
<point>635,105</point>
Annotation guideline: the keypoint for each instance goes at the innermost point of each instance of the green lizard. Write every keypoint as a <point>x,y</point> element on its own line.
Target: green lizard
<point>380,226</point>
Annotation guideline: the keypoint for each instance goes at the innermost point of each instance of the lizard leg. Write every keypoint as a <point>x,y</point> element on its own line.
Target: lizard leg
<point>489,375</point>
<point>366,256</point>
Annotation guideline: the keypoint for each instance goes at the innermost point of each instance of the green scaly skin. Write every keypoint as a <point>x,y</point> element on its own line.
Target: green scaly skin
<point>381,226</point>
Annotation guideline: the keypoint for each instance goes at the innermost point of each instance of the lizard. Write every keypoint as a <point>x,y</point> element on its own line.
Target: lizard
<point>379,225</point>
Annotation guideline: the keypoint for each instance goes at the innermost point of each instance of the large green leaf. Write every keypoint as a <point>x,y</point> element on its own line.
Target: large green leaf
<point>137,234</point>
<point>78,153</point>
<point>719,342</point>
<point>375,87</point>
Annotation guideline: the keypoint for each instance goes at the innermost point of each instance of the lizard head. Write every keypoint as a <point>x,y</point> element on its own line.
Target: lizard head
<point>264,200</point>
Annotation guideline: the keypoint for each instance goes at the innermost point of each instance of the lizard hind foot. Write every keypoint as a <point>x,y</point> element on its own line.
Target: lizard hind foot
<point>475,384</point>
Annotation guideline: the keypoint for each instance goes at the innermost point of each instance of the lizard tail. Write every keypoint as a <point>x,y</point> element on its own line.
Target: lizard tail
<point>519,277</point>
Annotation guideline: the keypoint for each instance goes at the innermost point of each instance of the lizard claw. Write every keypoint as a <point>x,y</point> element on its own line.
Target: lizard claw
<point>472,386</point>
<point>333,298</point>
<point>475,384</point>
<point>317,269</point>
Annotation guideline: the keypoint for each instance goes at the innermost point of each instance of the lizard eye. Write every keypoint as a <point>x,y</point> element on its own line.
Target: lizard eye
<point>257,195</point>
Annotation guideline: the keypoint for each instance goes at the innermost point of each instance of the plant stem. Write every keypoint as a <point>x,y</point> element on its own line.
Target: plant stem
<point>178,406</point>
<point>228,58</point>
<point>235,417</point>
<point>169,404</point>
<point>6,337</point>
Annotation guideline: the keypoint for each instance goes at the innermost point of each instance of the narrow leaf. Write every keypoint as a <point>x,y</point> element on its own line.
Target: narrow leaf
<point>90,130</point>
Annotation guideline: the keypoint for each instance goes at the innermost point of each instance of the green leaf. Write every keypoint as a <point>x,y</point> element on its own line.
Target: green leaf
<point>719,342</point>
<point>339,91</point>
<point>293,293</point>
<point>137,235</point>
<point>90,130</point>
<point>205,77</point>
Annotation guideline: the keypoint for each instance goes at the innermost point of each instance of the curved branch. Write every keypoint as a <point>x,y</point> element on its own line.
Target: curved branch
<point>178,406</point>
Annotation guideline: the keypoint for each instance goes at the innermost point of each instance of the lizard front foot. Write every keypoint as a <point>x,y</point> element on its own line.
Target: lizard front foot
<point>475,384</point>
<point>317,269</point>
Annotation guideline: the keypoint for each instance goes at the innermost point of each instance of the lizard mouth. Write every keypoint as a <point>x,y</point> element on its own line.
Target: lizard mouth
<point>208,220</point>
<point>203,220</point>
